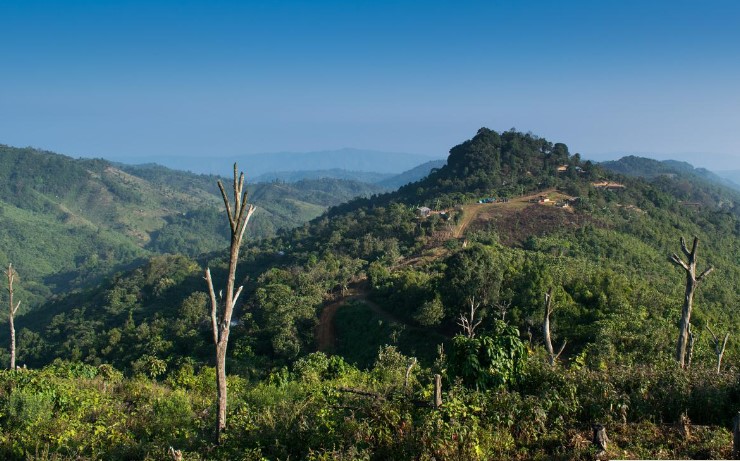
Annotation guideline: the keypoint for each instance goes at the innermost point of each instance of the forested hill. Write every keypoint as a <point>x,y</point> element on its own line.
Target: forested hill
<point>379,288</point>
<point>603,239</point>
<point>654,169</point>
<point>66,222</point>
<point>507,164</point>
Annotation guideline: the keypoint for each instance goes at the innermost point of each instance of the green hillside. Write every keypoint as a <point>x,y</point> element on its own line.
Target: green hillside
<point>666,169</point>
<point>68,222</point>
<point>347,299</point>
<point>606,254</point>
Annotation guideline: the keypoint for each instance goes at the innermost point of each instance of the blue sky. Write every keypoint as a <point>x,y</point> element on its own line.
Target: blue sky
<point>140,79</point>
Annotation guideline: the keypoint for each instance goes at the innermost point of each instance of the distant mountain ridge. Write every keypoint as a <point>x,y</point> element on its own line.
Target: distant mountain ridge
<point>255,165</point>
<point>335,173</point>
<point>648,168</point>
<point>731,175</point>
<point>386,181</point>
<point>412,175</point>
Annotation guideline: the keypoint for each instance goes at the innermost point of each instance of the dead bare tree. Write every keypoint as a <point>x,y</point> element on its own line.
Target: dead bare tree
<point>11,273</point>
<point>238,218</point>
<point>502,308</point>
<point>719,347</point>
<point>552,356</point>
<point>469,322</point>
<point>692,281</point>
<point>408,373</point>
<point>437,391</point>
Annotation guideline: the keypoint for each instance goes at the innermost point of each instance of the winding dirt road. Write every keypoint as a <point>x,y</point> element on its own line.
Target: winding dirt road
<point>326,333</point>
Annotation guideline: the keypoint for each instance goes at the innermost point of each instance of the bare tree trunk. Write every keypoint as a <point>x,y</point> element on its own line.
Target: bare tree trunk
<point>437,391</point>
<point>552,356</point>
<point>11,273</point>
<point>238,218</point>
<point>408,373</point>
<point>692,281</point>
<point>719,348</point>
<point>690,348</point>
<point>684,426</point>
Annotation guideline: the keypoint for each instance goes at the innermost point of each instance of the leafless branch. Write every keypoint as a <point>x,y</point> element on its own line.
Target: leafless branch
<point>679,261</point>
<point>408,372</point>
<point>707,271</point>
<point>232,223</point>
<point>214,306</point>
<point>469,323</point>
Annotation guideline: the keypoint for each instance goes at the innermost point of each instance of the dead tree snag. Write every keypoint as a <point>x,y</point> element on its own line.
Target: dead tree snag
<point>12,309</point>
<point>470,322</point>
<point>719,347</point>
<point>692,281</point>
<point>220,322</point>
<point>552,356</point>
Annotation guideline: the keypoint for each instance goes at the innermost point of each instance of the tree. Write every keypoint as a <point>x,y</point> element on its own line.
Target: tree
<point>430,313</point>
<point>473,272</point>
<point>692,281</point>
<point>11,273</point>
<point>488,361</point>
<point>719,347</point>
<point>238,218</point>
<point>469,322</point>
<point>546,330</point>
<point>287,303</point>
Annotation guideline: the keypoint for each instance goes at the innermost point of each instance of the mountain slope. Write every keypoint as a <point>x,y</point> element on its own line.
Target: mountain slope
<point>732,175</point>
<point>689,184</point>
<point>605,255</point>
<point>391,282</point>
<point>67,221</point>
<point>649,169</point>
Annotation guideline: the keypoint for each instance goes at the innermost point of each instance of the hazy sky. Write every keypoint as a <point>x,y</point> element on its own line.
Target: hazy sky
<point>146,78</point>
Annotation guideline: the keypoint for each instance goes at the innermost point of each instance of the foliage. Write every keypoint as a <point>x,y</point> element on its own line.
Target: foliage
<point>489,361</point>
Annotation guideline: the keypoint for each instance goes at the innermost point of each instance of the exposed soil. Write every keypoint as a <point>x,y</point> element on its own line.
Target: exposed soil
<point>325,331</point>
<point>519,218</point>
<point>514,220</point>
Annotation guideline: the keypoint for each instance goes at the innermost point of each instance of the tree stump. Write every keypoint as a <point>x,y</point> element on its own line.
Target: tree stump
<point>684,426</point>
<point>600,440</point>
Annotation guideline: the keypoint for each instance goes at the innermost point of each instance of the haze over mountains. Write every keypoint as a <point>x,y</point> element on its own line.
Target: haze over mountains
<point>255,165</point>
